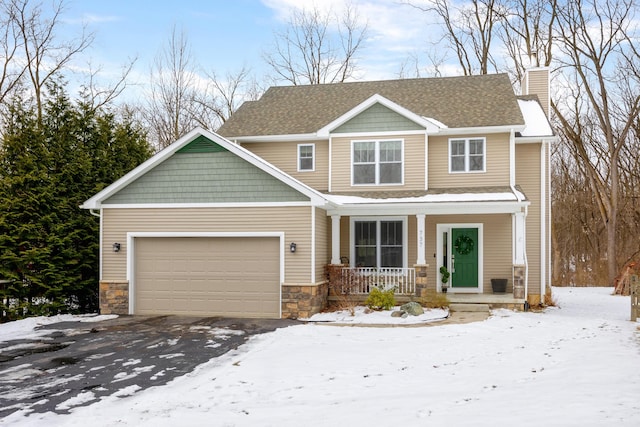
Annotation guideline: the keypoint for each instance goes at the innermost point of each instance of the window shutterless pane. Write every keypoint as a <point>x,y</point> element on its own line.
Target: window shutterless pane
<point>476,146</point>
<point>457,148</point>
<point>391,257</point>
<point>457,163</point>
<point>390,173</point>
<point>476,163</point>
<point>305,157</point>
<point>364,174</point>
<point>364,152</point>
<point>390,151</point>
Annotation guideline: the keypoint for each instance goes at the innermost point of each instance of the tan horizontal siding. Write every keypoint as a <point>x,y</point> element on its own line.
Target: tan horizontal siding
<point>414,153</point>
<point>497,163</point>
<point>295,222</point>
<point>284,155</point>
<point>528,178</point>
<point>538,84</point>
<point>497,245</point>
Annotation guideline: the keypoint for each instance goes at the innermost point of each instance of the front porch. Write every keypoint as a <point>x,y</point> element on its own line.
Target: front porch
<point>410,283</point>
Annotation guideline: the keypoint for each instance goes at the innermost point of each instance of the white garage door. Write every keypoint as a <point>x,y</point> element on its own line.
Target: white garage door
<point>208,276</point>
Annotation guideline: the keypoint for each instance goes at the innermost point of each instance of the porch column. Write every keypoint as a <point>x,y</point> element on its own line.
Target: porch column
<point>519,233</point>
<point>421,240</point>
<point>335,239</point>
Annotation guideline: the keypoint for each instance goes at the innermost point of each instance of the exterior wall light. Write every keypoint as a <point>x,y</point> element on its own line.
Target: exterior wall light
<point>116,247</point>
<point>292,247</point>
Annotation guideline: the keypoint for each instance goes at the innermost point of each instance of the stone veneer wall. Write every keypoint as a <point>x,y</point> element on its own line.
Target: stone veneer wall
<point>519,272</point>
<point>114,297</point>
<point>301,301</point>
<point>421,279</point>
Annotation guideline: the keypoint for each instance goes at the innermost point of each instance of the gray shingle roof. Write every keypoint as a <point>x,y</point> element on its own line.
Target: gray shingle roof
<point>458,102</point>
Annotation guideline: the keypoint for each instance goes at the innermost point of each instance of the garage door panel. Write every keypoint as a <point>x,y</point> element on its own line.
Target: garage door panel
<point>208,276</point>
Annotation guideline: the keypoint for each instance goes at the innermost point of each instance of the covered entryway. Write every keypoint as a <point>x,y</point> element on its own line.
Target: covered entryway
<point>459,249</point>
<point>464,258</point>
<point>207,276</point>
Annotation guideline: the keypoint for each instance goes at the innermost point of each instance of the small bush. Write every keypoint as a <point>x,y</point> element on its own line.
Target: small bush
<point>433,299</point>
<point>381,300</point>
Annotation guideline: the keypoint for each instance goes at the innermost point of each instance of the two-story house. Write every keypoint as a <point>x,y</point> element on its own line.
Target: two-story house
<point>394,179</point>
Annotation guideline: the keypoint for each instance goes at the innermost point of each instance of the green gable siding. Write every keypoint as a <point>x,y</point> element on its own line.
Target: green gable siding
<point>378,118</point>
<point>205,177</point>
<point>202,144</point>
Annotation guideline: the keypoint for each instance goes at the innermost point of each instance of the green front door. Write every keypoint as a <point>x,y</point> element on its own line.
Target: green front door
<point>464,257</point>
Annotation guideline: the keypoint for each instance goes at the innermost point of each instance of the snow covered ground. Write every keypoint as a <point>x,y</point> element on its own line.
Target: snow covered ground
<point>575,365</point>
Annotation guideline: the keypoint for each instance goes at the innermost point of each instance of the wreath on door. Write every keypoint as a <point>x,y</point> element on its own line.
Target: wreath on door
<point>464,244</point>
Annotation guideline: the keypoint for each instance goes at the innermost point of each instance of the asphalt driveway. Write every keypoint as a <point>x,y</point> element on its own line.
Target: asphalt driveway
<point>79,363</point>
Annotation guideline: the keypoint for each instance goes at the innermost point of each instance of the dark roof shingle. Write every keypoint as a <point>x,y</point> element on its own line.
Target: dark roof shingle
<point>458,102</point>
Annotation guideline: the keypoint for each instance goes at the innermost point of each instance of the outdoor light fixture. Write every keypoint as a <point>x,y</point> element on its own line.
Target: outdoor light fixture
<point>292,247</point>
<point>116,247</point>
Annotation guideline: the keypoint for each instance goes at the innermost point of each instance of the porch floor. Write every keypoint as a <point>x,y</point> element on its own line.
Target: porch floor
<point>492,300</point>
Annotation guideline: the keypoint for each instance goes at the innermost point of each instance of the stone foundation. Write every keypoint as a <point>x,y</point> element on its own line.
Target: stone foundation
<point>302,301</point>
<point>114,297</point>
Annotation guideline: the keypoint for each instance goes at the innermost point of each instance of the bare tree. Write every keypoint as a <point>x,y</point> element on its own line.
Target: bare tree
<point>469,30</point>
<point>600,101</point>
<point>97,95</point>
<point>226,93</point>
<point>527,33</point>
<point>317,47</point>
<point>11,44</point>
<point>45,56</point>
<point>173,106</point>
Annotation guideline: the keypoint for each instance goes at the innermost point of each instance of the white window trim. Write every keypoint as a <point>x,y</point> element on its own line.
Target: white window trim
<point>466,154</point>
<point>377,162</point>
<point>378,219</point>
<point>313,157</point>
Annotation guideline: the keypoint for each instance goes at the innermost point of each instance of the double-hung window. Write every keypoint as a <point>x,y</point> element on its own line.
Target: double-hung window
<point>306,156</point>
<point>467,155</point>
<point>379,242</point>
<point>377,162</point>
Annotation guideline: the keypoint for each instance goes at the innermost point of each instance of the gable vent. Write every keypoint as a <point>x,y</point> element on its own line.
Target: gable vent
<point>202,144</point>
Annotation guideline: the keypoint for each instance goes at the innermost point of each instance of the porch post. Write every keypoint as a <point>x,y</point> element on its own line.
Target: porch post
<point>335,239</point>
<point>421,240</point>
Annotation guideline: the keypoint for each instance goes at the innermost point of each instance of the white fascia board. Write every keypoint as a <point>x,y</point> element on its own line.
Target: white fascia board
<point>278,138</point>
<point>536,139</point>
<point>95,202</point>
<point>377,99</point>
<point>378,135</point>
<point>429,209</point>
<point>481,130</point>
<point>205,205</point>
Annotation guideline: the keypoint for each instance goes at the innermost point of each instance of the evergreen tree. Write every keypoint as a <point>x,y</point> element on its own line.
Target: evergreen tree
<point>48,245</point>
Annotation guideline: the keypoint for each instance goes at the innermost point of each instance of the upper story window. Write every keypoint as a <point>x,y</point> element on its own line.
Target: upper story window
<point>467,155</point>
<point>306,157</point>
<point>377,162</point>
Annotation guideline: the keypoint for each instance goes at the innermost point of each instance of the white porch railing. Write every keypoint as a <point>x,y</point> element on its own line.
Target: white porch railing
<point>361,280</point>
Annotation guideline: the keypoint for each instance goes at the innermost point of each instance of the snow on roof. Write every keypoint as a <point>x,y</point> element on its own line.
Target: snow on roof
<point>429,198</point>
<point>536,122</point>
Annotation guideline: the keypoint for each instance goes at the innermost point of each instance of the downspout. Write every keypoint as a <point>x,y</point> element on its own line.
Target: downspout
<point>543,220</point>
<point>329,175</point>
<point>526,262</point>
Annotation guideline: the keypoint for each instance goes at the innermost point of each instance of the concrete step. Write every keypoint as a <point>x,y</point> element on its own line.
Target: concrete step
<point>462,307</point>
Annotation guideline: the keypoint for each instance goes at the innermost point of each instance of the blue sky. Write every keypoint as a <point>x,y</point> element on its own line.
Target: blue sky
<point>226,35</point>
